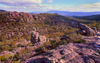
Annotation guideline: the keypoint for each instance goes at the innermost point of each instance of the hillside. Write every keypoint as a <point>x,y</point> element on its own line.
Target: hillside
<point>26,38</point>
<point>91,17</point>
<point>18,24</point>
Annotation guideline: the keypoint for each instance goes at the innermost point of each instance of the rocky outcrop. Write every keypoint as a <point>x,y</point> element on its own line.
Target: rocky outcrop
<point>22,16</point>
<point>82,32</point>
<point>13,34</point>
<point>95,29</point>
<point>70,53</point>
<point>83,29</point>
<point>37,39</point>
<point>42,38</point>
<point>88,30</point>
<point>34,37</point>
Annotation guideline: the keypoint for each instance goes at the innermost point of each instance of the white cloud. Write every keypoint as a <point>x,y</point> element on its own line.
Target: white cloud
<point>50,1</point>
<point>84,8</point>
<point>25,5</point>
<point>29,8</point>
<point>20,2</point>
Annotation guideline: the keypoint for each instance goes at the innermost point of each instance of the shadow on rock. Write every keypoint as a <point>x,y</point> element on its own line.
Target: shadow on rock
<point>39,60</point>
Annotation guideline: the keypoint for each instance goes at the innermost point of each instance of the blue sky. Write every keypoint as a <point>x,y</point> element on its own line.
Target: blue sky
<point>46,5</point>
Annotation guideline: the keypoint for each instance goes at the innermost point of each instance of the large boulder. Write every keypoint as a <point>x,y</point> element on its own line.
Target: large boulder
<point>42,38</point>
<point>95,29</point>
<point>34,37</point>
<point>82,32</point>
<point>37,39</point>
<point>88,30</point>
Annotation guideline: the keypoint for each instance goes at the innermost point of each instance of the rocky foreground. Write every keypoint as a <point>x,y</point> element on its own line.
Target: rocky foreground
<point>71,53</point>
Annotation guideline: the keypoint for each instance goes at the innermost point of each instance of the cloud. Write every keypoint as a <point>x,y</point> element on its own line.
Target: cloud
<point>29,8</point>
<point>25,5</point>
<point>19,2</point>
<point>50,1</point>
<point>84,8</point>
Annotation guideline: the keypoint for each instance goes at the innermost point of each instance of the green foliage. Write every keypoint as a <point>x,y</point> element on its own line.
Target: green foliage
<point>94,24</point>
<point>79,41</point>
<point>2,38</point>
<point>4,57</point>
<point>99,52</point>
<point>18,61</point>
<point>5,48</point>
<point>76,38</point>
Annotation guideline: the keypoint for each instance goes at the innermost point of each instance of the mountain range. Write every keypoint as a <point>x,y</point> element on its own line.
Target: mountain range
<point>2,10</point>
<point>67,13</point>
<point>91,17</point>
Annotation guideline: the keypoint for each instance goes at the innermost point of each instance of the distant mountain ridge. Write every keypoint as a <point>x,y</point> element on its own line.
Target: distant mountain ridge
<point>67,13</point>
<point>91,17</point>
<point>2,10</point>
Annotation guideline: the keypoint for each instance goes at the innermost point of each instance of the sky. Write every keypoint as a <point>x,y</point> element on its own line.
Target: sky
<point>47,5</point>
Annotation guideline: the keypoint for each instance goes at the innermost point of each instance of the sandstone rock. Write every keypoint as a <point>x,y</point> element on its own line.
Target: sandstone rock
<point>34,28</point>
<point>88,30</point>
<point>35,17</point>
<point>69,53</point>
<point>37,59</point>
<point>82,32</point>
<point>95,29</point>
<point>61,61</point>
<point>42,38</point>
<point>34,37</point>
<point>90,61</point>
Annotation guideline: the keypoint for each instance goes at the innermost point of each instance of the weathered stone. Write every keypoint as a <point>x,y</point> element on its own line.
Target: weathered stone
<point>82,32</point>
<point>90,61</point>
<point>95,29</point>
<point>61,61</point>
<point>42,38</point>
<point>88,30</point>
<point>34,28</point>
<point>86,51</point>
<point>34,37</point>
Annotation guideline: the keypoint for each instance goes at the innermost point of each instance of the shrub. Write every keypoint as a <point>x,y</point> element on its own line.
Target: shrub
<point>18,61</point>
<point>5,47</point>
<point>76,38</point>
<point>41,50</point>
<point>79,41</point>
<point>99,52</point>
<point>4,57</point>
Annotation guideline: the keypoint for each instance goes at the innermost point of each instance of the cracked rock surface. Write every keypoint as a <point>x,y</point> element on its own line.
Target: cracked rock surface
<point>71,53</point>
